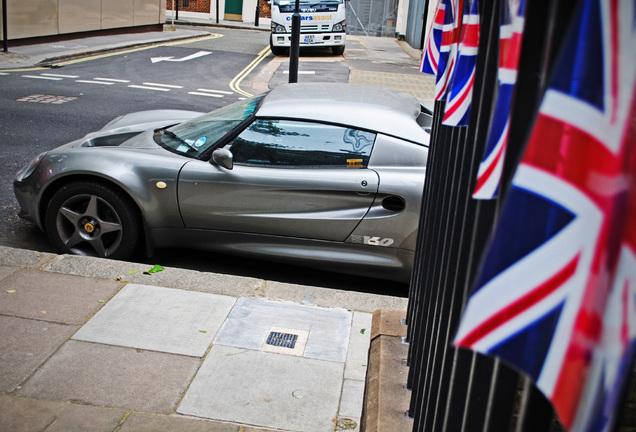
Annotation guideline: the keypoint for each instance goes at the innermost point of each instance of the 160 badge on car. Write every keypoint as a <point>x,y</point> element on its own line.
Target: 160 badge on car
<point>372,240</point>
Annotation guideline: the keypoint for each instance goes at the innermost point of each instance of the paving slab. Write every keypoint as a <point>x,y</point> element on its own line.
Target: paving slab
<point>159,319</point>
<point>24,345</point>
<point>54,297</point>
<point>6,271</point>
<point>358,351</point>
<point>352,401</point>
<point>113,376</point>
<point>21,414</point>
<point>140,422</point>
<point>265,390</point>
<point>252,319</point>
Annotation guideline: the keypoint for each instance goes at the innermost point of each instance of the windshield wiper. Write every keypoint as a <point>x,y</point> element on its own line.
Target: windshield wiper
<point>178,138</point>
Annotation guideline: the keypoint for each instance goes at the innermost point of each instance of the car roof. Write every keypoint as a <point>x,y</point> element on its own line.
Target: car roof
<point>364,107</point>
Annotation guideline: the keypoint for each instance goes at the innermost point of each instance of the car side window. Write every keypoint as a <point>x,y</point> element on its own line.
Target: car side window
<point>291,143</point>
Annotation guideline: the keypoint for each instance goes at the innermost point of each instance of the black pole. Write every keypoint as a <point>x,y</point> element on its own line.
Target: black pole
<point>176,9</point>
<point>217,11</point>
<point>294,50</point>
<point>258,13</point>
<point>5,44</point>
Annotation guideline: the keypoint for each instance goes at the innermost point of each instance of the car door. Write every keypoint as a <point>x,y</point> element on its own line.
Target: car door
<point>289,178</point>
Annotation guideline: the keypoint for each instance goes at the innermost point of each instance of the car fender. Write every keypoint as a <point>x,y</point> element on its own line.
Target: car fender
<point>151,186</point>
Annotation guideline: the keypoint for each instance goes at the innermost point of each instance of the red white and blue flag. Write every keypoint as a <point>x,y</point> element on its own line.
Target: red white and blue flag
<point>430,59</point>
<point>510,35</point>
<point>556,293</point>
<point>460,92</point>
<point>441,49</point>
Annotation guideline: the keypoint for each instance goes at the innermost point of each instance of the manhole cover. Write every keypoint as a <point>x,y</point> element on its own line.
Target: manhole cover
<point>284,340</point>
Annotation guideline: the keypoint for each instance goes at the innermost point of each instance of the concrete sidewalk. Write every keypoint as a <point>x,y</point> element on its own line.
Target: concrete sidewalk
<point>98,345</point>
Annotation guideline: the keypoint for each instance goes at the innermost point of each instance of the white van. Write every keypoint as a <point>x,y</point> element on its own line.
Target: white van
<point>322,24</point>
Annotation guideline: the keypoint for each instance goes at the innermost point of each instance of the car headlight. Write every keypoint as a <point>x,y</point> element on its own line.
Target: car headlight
<point>25,172</point>
<point>340,27</point>
<point>278,28</point>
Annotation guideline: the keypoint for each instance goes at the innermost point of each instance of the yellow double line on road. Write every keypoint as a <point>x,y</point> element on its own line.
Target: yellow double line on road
<point>235,83</point>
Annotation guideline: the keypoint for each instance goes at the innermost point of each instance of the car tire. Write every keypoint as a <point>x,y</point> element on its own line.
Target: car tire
<point>338,50</point>
<point>87,218</point>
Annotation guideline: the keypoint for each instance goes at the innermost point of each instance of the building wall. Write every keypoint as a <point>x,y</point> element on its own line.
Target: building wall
<point>36,18</point>
<point>206,9</point>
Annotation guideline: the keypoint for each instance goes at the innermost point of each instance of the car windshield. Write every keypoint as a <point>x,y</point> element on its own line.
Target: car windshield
<point>195,136</point>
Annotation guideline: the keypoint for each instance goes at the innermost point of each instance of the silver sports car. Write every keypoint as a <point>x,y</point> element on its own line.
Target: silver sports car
<point>325,175</point>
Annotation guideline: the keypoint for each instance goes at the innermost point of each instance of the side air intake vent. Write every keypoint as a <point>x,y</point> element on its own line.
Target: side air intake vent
<point>394,203</point>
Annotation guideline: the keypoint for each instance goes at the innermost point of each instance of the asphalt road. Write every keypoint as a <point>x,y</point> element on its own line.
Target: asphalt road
<point>43,109</point>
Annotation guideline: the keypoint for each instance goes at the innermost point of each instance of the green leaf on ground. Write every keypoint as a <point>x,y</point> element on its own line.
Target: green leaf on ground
<point>157,268</point>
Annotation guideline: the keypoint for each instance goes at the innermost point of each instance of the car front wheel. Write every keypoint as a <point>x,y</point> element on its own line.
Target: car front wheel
<point>91,219</point>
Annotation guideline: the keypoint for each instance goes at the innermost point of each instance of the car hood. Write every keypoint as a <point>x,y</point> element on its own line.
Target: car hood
<point>123,129</point>
<point>145,120</point>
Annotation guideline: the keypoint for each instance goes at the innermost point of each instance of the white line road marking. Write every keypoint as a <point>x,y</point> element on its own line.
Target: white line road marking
<point>172,59</point>
<point>42,77</point>
<point>215,91</point>
<point>163,85</point>
<point>149,88</point>
<point>112,80</point>
<point>3,73</point>
<point>205,94</point>
<point>94,82</point>
<point>59,76</point>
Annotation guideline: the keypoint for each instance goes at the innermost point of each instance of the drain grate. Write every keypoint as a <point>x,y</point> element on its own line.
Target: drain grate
<point>284,340</point>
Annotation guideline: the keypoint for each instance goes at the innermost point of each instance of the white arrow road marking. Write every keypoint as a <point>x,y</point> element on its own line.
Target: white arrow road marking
<point>172,59</point>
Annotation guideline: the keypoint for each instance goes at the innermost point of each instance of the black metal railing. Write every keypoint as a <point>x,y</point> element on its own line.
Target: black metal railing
<point>455,389</point>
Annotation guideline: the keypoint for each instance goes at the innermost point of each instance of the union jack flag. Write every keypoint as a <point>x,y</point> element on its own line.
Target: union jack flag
<point>439,56</point>
<point>430,59</point>
<point>556,293</point>
<point>510,35</point>
<point>460,94</point>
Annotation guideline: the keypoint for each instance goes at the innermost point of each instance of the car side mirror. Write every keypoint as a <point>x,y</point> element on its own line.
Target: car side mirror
<point>224,158</point>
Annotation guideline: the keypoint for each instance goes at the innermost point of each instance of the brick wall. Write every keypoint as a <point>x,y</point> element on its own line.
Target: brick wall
<point>265,8</point>
<point>191,5</point>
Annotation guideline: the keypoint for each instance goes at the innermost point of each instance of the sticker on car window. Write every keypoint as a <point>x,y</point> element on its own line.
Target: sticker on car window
<point>200,142</point>
<point>358,139</point>
<point>354,163</point>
